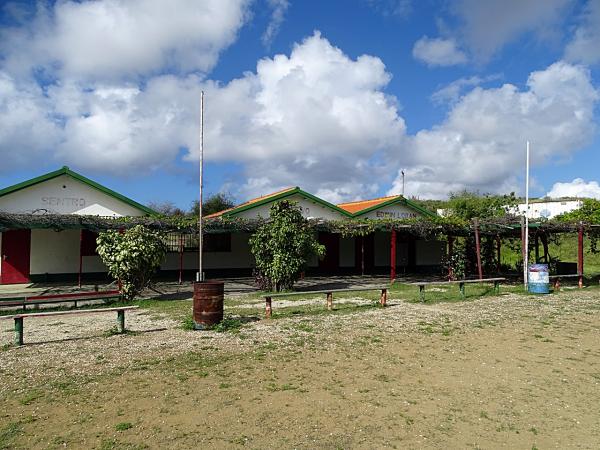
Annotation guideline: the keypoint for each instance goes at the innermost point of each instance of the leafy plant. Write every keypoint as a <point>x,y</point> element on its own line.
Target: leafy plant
<point>283,246</point>
<point>131,256</point>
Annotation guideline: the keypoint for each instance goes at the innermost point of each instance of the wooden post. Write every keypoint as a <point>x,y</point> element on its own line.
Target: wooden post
<point>537,248</point>
<point>461,288</point>
<point>545,246</point>
<point>383,299</point>
<point>499,254</point>
<point>268,309</point>
<point>80,256</point>
<point>362,255</point>
<point>18,331</point>
<point>121,321</point>
<point>329,301</point>
<point>523,249</point>
<point>580,255</point>
<point>478,249</point>
<point>450,253</point>
<point>393,255</point>
<point>180,258</point>
<point>422,292</point>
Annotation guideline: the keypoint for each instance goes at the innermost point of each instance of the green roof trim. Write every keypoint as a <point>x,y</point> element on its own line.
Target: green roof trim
<point>66,171</point>
<point>393,201</point>
<point>283,195</point>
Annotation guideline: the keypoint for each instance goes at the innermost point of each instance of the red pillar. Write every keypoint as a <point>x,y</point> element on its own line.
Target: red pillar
<point>80,256</point>
<point>393,255</point>
<point>450,253</point>
<point>580,256</point>
<point>180,258</point>
<point>499,253</point>
<point>478,250</point>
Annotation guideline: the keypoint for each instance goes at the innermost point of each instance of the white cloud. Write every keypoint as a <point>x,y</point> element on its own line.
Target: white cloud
<point>452,92</point>
<point>438,52</point>
<point>585,46</point>
<point>109,39</point>
<point>481,143</point>
<point>487,25</point>
<point>576,188</point>
<point>277,17</point>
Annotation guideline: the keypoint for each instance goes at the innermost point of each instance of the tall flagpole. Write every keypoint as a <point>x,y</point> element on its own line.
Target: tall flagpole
<point>200,274</point>
<point>526,254</point>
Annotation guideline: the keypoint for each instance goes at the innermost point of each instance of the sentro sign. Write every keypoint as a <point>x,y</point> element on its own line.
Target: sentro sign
<point>63,201</point>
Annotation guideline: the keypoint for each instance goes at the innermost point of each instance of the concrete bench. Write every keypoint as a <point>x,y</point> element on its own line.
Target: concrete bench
<point>327,292</point>
<point>18,318</point>
<point>60,298</point>
<point>461,285</point>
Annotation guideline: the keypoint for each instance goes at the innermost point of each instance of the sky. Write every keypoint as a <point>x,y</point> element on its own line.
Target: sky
<point>338,97</point>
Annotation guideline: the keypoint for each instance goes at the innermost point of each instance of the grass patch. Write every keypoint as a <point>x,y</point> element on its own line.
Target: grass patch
<point>123,426</point>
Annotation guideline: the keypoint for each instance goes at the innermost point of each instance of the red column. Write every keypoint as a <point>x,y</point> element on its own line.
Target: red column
<point>478,250</point>
<point>393,255</point>
<point>80,255</point>
<point>450,253</point>
<point>180,258</point>
<point>580,256</point>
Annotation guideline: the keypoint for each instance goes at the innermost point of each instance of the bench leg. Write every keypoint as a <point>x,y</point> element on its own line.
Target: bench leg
<point>557,285</point>
<point>268,309</point>
<point>18,331</point>
<point>383,300</point>
<point>497,287</point>
<point>121,321</point>
<point>329,301</point>
<point>461,288</point>
<point>75,304</point>
<point>422,293</point>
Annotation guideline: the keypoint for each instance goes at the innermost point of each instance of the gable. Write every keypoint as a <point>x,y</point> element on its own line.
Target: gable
<point>395,211</point>
<point>64,194</point>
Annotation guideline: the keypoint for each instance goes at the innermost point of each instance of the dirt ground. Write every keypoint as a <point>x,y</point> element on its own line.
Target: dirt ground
<point>510,371</point>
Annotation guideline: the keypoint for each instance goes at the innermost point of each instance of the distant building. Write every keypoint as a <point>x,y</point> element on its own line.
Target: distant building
<point>547,209</point>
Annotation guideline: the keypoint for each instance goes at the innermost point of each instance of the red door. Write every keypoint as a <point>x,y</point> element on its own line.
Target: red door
<point>16,248</point>
<point>331,262</point>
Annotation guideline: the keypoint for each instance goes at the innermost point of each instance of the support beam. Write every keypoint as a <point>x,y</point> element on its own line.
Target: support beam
<point>393,256</point>
<point>545,246</point>
<point>180,258</point>
<point>478,249</point>
<point>537,248</point>
<point>580,255</point>
<point>362,255</point>
<point>450,253</point>
<point>498,254</point>
<point>80,256</point>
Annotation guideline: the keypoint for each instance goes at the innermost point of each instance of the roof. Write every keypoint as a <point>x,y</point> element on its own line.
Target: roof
<point>354,207</point>
<point>361,207</point>
<point>66,171</point>
<point>275,196</point>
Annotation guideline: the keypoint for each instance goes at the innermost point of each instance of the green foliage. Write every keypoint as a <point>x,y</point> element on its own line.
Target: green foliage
<point>131,256</point>
<point>589,213</point>
<point>283,246</point>
<point>469,205</point>
<point>213,204</point>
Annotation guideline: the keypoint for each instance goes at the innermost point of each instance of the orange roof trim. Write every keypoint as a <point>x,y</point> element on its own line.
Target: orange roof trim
<point>354,207</point>
<point>249,202</point>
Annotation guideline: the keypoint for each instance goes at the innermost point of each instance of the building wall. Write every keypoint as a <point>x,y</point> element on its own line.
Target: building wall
<point>430,253</point>
<point>65,195</point>
<point>548,210</point>
<point>54,252</point>
<point>310,209</point>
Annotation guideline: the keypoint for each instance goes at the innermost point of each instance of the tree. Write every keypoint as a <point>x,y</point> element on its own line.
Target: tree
<point>166,208</point>
<point>588,213</point>
<point>283,246</point>
<point>469,205</point>
<point>213,204</point>
<point>131,256</point>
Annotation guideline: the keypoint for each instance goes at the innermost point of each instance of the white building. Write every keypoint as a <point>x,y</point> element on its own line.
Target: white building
<point>51,255</point>
<point>547,209</point>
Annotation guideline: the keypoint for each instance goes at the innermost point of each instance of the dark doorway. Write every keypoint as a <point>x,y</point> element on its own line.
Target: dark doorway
<point>331,262</point>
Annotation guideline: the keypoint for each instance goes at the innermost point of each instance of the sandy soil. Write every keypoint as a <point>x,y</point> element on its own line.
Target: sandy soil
<point>499,372</point>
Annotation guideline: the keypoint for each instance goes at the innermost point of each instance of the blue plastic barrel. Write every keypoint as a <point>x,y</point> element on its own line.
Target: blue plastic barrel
<point>539,281</point>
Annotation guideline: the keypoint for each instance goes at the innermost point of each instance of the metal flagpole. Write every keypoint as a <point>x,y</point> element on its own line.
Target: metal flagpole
<point>200,274</point>
<point>526,255</point>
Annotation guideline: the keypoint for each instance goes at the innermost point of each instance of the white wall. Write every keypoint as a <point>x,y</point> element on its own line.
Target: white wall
<point>54,252</point>
<point>548,210</point>
<point>392,212</point>
<point>310,209</point>
<point>65,195</point>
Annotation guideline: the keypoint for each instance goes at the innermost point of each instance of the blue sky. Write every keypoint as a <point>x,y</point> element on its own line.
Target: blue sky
<point>334,96</point>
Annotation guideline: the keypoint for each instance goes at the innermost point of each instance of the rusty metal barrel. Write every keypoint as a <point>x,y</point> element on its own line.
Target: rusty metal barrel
<point>208,304</point>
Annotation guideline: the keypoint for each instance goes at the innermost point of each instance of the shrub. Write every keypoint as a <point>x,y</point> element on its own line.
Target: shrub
<point>131,256</point>
<point>283,246</point>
